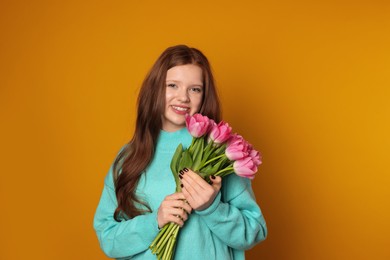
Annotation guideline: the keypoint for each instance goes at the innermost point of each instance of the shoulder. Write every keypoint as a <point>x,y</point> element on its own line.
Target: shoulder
<point>109,180</point>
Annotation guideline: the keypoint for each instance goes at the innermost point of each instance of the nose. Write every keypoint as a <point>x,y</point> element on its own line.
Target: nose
<point>182,95</point>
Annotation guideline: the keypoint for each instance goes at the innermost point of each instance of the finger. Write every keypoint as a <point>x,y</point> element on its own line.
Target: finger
<point>175,219</point>
<point>181,204</point>
<point>191,182</point>
<point>178,212</point>
<point>175,203</point>
<point>216,182</point>
<point>195,179</point>
<point>175,215</point>
<point>175,196</point>
<point>183,215</point>
<point>189,198</point>
<point>188,203</point>
<point>187,207</point>
<point>190,188</point>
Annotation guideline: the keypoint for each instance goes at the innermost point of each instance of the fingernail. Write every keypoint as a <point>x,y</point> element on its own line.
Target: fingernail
<point>213,177</point>
<point>181,177</point>
<point>181,172</point>
<point>181,185</point>
<point>185,169</point>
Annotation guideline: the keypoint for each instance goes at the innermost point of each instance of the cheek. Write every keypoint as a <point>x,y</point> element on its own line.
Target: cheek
<point>198,103</point>
<point>168,94</point>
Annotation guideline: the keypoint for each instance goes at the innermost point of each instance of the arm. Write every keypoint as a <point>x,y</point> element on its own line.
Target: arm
<point>133,236</point>
<point>233,215</point>
<point>125,238</point>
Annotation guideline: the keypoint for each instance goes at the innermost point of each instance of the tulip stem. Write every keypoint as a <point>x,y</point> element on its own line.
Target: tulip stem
<point>162,231</point>
<point>213,159</point>
<point>223,170</point>
<point>192,146</point>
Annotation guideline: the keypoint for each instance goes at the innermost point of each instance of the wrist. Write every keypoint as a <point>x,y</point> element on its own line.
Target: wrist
<point>212,207</point>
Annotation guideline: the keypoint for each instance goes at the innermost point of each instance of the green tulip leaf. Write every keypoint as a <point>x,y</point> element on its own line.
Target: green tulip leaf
<point>206,171</point>
<point>175,159</point>
<point>217,166</point>
<point>186,160</point>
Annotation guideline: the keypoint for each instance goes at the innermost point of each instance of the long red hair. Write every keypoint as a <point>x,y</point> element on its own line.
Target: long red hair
<point>132,161</point>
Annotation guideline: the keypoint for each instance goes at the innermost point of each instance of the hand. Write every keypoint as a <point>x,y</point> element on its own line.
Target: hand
<point>173,209</point>
<point>197,191</point>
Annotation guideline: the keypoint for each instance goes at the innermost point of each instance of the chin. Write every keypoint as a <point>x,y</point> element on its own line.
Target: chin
<point>181,123</point>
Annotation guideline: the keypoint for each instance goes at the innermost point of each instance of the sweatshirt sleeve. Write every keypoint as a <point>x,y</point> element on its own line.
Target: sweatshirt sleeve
<point>125,238</point>
<point>234,216</point>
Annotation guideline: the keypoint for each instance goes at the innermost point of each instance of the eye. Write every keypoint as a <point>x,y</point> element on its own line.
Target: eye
<point>196,90</point>
<point>172,85</point>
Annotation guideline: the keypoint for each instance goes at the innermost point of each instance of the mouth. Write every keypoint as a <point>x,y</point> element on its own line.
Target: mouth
<point>180,109</point>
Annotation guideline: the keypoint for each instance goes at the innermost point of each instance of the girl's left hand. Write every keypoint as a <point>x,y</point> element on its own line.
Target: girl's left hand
<point>199,194</point>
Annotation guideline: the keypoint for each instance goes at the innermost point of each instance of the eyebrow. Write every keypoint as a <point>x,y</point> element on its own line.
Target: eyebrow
<point>178,81</point>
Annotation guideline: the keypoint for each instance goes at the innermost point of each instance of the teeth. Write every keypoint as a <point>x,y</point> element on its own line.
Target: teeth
<point>180,108</point>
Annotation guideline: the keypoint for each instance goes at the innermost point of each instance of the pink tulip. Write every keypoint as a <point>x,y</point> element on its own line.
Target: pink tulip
<point>256,157</point>
<point>235,137</point>
<point>220,133</point>
<point>237,149</point>
<point>211,125</point>
<point>245,168</point>
<point>197,125</point>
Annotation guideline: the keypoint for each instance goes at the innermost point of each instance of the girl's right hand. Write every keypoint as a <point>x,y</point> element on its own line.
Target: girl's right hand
<point>173,209</point>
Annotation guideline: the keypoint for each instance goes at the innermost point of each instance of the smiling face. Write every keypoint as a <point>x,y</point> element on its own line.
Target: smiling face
<point>184,95</point>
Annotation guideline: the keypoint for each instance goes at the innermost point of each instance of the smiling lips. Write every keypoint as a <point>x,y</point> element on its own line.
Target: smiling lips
<point>180,109</point>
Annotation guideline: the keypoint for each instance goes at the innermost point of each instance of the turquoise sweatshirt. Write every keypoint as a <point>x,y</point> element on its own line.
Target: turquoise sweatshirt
<point>231,224</point>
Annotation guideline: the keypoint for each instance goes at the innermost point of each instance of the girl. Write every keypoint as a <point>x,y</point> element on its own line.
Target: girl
<point>220,220</point>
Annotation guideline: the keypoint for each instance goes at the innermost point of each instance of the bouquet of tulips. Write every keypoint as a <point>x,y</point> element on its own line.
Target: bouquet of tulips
<point>214,151</point>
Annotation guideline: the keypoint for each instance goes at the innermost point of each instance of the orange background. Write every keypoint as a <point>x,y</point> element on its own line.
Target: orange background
<point>307,82</point>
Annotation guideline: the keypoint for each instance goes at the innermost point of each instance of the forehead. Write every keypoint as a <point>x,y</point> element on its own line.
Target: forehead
<point>188,72</point>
